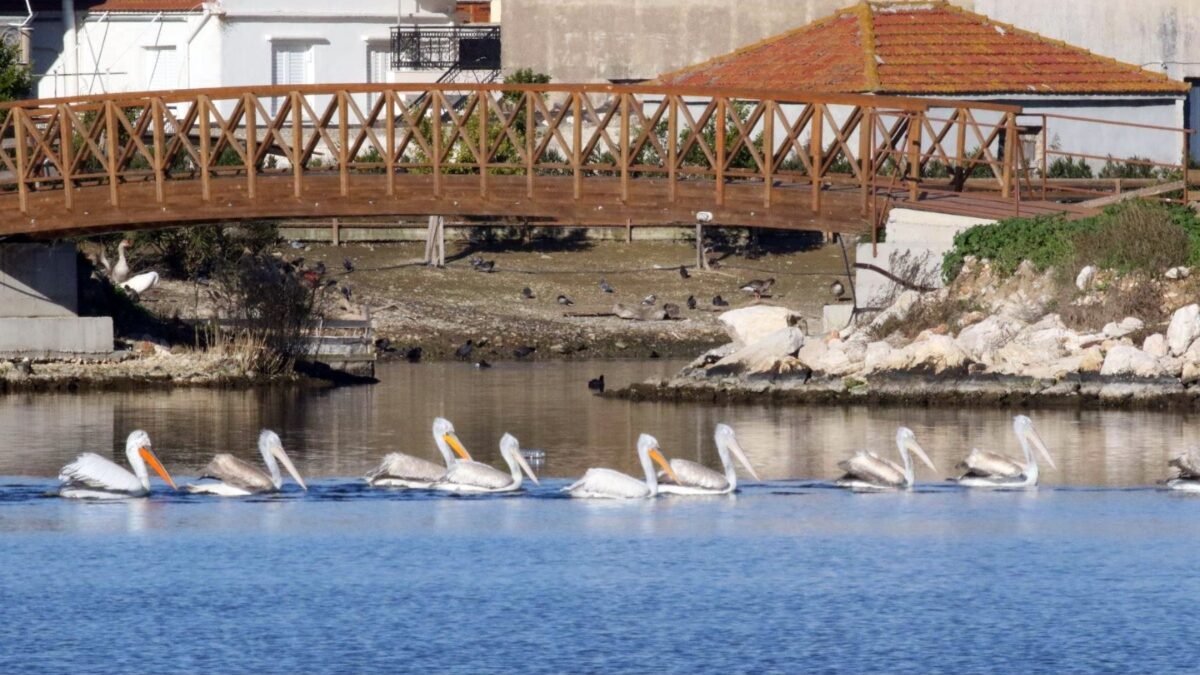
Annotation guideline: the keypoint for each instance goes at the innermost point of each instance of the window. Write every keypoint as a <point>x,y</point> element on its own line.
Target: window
<point>291,63</point>
<point>379,61</point>
<point>160,68</point>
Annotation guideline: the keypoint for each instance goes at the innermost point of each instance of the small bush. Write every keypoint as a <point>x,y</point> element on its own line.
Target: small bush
<point>928,314</point>
<point>1137,295</point>
<point>1065,167</point>
<point>200,250</point>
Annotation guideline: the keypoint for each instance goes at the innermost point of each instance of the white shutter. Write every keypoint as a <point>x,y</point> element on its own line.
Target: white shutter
<point>379,62</point>
<point>161,68</point>
<point>291,64</point>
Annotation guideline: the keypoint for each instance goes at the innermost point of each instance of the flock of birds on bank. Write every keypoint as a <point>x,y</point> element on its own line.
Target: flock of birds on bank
<point>91,476</point>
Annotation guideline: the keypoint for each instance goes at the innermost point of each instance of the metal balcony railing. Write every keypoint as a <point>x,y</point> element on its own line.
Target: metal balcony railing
<point>456,47</point>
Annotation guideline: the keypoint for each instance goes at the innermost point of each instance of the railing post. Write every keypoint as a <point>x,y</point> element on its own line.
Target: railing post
<point>768,153</point>
<point>19,139</point>
<point>343,142</point>
<point>1187,158</point>
<point>390,134</point>
<point>866,133</point>
<point>577,144</point>
<point>484,142</point>
<point>156,107</point>
<point>66,154</point>
<point>529,142</point>
<point>672,148</point>
<point>1010,156</point>
<point>110,134</point>
<point>251,145</point>
<point>816,147</point>
<point>914,154</point>
<point>625,159</point>
<point>436,110</point>
<point>297,145</point>
<point>719,173</point>
<point>205,148</point>
<point>963,169</point>
<point>1045,172</point>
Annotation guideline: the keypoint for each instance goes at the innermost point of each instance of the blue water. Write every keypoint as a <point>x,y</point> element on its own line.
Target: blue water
<point>786,577</point>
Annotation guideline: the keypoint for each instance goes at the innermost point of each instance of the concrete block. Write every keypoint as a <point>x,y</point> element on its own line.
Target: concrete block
<point>55,337</point>
<point>38,280</point>
<point>836,317</point>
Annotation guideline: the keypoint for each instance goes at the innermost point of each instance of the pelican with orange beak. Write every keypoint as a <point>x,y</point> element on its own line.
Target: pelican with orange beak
<point>609,484</point>
<point>398,470</point>
<point>466,476</point>
<point>91,476</point>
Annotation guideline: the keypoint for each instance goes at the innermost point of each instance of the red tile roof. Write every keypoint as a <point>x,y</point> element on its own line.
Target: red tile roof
<point>920,48</point>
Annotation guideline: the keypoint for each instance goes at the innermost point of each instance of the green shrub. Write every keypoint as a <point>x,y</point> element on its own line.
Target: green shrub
<point>1065,167</point>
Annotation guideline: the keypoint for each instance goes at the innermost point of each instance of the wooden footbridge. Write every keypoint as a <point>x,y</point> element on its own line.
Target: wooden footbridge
<point>551,154</point>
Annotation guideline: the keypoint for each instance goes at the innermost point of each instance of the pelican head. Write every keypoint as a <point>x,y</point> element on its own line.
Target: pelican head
<point>727,443</point>
<point>139,452</point>
<point>906,441</point>
<point>446,439</point>
<point>650,454</point>
<point>1023,428</point>
<point>510,450</point>
<point>272,449</point>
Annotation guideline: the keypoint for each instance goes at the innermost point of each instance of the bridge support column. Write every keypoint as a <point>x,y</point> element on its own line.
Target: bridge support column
<point>435,242</point>
<point>39,301</point>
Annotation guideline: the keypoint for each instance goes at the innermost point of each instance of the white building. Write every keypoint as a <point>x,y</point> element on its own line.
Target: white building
<point>82,47</point>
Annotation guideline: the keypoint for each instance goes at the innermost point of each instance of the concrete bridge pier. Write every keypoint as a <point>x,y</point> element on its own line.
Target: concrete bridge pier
<point>39,305</point>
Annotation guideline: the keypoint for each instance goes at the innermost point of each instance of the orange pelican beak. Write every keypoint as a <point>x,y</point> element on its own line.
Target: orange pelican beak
<point>148,456</point>
<point>458,448</point>
<point>662,462</point>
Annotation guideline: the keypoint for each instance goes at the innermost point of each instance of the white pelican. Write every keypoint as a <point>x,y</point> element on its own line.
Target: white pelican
<point>474,477</point>
<point>236,478</point>
<point>398,470</point>
<point>91,476</point>
<point>697,479</point>
<point>609,484</point>
<point>992,469</point>
<point>1188,464</point>
<point>868,471</point>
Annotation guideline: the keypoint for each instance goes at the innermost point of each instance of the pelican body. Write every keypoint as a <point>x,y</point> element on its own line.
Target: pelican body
<point>471,477</point>
<point>868,471</point>
<point>1188,467</point>
<point>609,484</point>
<point>697,479</point>
<point>994,470</point>
<point>398,470</point>
<point>91,476</point>
<point>236,478</point>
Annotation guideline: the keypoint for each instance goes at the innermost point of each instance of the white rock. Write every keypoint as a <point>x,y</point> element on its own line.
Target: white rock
<point>935,352</point>
<point>1126,360</point>
<point>1091,360</point>
<point>1184,328</point>
<point>751,324</point>
<point>899,308</point>
<point>987,336</point>
<point>1155,345</point>
<point>811,353</point>
<point>1056,369</point>
<point>1179,273</point>
<point>877,356</point>
<point>834,362</point>
<point>1191,372</point>
<point>764,355</point>
<point>1085,278</point>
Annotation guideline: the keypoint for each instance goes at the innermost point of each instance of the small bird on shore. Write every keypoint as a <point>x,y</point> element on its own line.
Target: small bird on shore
<point>523,351</point>
<point>413,354</point>
<point>384,345</point>
<point>837,289</point>
<point>758,287</point>
<point>488,266</point>
<point>691,302</point>
<point>347,292</point>
<point>718,301</point>
<point>683,273</point>
<point>464,350</point>
<point>605,286</point>
<point>348,265</point>
<point>654,354</point>
<point>527,293</point>
<point>319,268</point>
<point>596,384</point>
<point>649,300</point>
<point>565,301</point>
<point>671,310</point>
<point>481,364</point>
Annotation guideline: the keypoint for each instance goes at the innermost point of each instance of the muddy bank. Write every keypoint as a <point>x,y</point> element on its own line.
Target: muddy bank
<point>904,389</point>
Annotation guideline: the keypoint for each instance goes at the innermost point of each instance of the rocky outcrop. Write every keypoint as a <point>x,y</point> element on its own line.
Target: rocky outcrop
<point>748,325</point>
<point>771,354</point>
<point>1184,329</point>
<point>1130,361</point>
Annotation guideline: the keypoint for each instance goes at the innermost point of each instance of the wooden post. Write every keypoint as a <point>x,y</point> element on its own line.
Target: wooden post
<point>484,142</point>
<point>436,111</point>
<point>22,150</point>
<point>914,155</point>
<point>1187,158</point>
<point>577,144</point>
<point>701,261</point>
<point>157,108</point>
<point>672,147</point>
<point>768,153</point>
<point>66,154</point>
<point>441,241</point>
<point>435,242</point>
<point>251,146</point>
<point>866,163</point>
<point>343,142</point>
<point>816,146</point>
<point>719,126</point>
<point>205,149</point>
<point>625,148</point>
<point>529,143</point>
<point>110,133</point>
<point>963,168</point>
<point>1010,155</point>
<point>335,232</point>
<point>628,230</point>
<point>390,156</point>
<point>297,146</point>
<point>1045,171</point>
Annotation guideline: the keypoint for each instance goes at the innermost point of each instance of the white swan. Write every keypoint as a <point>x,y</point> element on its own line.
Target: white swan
<point>697,479</point>
<point>120,272</point>
<point>609,484</point>
<point>474,477</point>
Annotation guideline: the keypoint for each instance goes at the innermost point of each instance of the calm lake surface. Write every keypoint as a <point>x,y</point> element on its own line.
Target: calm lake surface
<point>1091,572</point>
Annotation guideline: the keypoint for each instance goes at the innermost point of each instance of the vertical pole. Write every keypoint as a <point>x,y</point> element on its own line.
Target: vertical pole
<point>297,145</point>
<point>914,155</point>
<point>625,148</point>
<point>19,138</point>
<point>1186,162</point>
<point>961,155</point>
<point>701,261</point>
<point>1045,133</point>
<point>205,148</point>
<point>672,147</point>
<point>441,241</point>
<point>390,132</point>
<point>335,232</point>
<point>577,143</point>
<point>866,132</point>
<point>436,111</point>
<point>719,127</point>
<point>66,154</point>
<point>628,230</point>
<point>529,143</point>
<point>156,107</point>
<point>1010,156</point>
<point>484,141</point>
<point>429,232</point>
<point>251,145</point>
<point>816,145</point>
<point>768,153</point>
<point>344,142</point>
<point>110,133</point>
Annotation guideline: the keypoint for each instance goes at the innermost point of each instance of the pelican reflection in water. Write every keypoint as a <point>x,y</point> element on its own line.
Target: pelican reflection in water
<point>398,470</point>
<point>696,479</point>
<point>233,477</point>
<point>468,476</point>
<point>609,484</point>
<point>994,470</point>
<point>868,471</point>
<point>91,476</point>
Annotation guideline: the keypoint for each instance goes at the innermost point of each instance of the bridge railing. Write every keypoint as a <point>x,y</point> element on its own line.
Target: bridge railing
<point>559,139</point>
